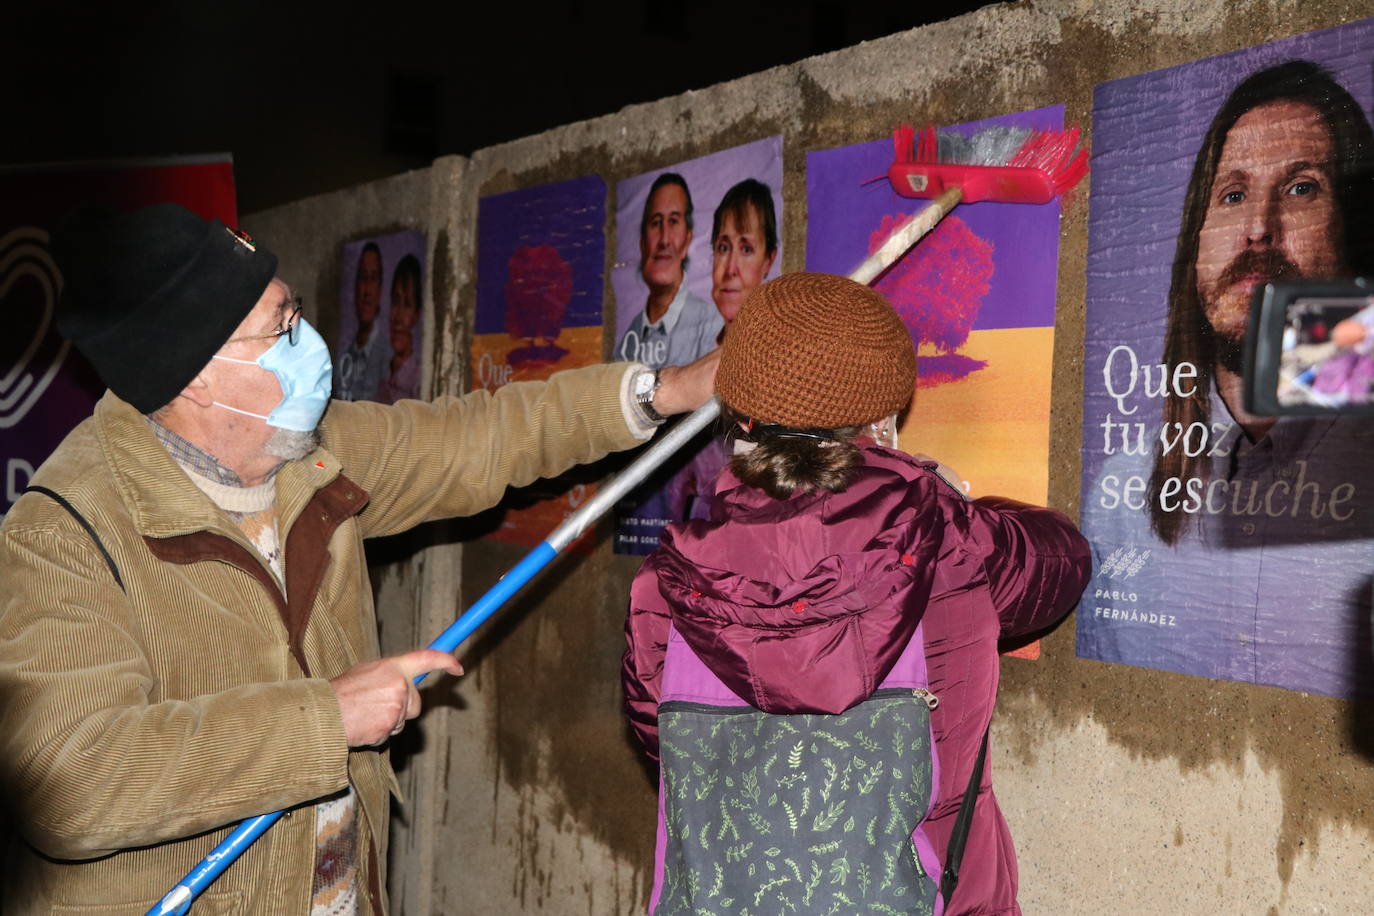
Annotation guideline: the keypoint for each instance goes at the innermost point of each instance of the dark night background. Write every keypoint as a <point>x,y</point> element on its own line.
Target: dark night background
<point>310,97</point>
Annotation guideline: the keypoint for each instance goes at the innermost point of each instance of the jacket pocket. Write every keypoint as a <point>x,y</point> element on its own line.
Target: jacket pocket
<point>223,903</point>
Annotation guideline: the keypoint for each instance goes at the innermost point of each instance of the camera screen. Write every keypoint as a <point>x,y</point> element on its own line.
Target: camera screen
<point>1327,357</point>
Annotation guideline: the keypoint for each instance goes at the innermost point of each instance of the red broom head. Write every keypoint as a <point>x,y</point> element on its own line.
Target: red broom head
<point>905,140</point>
<point>1058,154</point>
<point>1012,165</point>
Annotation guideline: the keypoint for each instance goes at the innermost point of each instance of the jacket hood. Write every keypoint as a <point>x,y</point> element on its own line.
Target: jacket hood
<point>804,604</point>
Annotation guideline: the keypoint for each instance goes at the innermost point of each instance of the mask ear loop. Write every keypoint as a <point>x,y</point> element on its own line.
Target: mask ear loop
<point>884,432</point>
<point>734,432</point>
<point>738,439</point>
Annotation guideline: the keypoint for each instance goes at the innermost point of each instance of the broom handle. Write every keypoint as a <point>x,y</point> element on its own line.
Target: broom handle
<point>178,900</point>
<point>574,525</point>
<point>905,236</point>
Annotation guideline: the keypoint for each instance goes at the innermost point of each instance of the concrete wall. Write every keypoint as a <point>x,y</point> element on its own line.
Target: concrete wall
<point>1128,790</point>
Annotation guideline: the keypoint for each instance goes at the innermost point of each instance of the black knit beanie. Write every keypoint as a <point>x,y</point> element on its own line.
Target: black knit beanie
<point>149,296</point>
<point>816,350</point>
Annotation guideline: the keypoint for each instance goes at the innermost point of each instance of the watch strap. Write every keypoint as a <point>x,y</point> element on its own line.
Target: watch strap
<point>644,400</point>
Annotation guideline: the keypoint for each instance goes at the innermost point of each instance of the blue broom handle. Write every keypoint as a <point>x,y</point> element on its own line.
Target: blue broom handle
<point>574,525</point>
<point>178,901</point>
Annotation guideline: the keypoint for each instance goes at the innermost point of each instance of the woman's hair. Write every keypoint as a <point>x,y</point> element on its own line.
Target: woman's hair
<point>786,461</point>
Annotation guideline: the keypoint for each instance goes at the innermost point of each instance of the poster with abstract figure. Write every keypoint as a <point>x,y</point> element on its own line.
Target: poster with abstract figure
<point>540,285</point>
<point>978,295</point>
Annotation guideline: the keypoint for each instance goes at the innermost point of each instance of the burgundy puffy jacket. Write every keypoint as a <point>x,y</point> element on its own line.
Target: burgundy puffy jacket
<point>784,600</point>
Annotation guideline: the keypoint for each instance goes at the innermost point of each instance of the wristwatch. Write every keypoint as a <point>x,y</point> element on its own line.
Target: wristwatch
<point>643,387</point>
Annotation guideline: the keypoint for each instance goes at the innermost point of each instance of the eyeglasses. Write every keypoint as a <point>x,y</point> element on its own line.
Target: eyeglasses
<point>292,329</point>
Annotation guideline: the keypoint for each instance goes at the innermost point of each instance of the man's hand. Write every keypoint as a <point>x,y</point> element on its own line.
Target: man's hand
<point>684,388</point>
<point>377,697</point>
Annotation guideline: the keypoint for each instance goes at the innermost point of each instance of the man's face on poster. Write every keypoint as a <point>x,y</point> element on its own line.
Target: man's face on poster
<point>367,287</point>
<point>1271,214</point>
<point>664,242</point>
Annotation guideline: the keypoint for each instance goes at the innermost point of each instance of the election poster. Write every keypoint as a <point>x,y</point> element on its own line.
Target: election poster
<point>381,297</point>
<point>692,239</point>
<point>978,296</point>
<point>540,284</point>
<point>1227,545</point>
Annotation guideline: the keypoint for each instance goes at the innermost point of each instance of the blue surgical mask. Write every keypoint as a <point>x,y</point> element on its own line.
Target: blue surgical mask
<point>305,374</point>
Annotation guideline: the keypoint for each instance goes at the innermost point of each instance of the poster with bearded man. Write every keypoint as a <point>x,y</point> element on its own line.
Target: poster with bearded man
<point>1228,545</point>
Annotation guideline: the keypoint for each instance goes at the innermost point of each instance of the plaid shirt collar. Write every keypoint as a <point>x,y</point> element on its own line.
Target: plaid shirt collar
<point>195,458</point>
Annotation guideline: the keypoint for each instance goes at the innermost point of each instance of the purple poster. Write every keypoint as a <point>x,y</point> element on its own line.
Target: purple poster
<point>541,266</point>
<point>691,240</point>
<point>1227,545</point>
<point>380,303</point>
<point>978,295</point>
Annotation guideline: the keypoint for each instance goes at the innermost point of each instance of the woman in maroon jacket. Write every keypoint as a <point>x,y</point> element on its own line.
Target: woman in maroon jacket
<point>815,665</point>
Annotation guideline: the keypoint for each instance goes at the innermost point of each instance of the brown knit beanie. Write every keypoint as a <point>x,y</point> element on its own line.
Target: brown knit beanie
<point>816,350</point>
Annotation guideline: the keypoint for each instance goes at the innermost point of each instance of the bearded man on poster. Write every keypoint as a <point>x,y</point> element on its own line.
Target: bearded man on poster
<point>1281,189</point>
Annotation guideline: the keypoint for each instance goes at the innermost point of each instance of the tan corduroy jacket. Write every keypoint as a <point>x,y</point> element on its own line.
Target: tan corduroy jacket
<point>134,727</point>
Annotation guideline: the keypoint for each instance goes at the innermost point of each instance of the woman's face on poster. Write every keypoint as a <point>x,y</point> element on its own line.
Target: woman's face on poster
<point>1272,212</point>
<point>739,261</point>
<point>404,312</point>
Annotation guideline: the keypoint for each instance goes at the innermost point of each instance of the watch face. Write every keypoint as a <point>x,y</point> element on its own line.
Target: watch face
<point>644,383</point>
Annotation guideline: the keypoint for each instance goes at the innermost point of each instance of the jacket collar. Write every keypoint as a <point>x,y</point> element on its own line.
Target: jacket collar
<point>161,498</point>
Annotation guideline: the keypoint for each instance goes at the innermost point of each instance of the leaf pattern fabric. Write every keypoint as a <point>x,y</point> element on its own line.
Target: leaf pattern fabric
<point>795,814</point>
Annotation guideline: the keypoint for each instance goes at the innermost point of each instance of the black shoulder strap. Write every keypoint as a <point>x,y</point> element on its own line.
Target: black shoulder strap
<point>109,560</point>
<point>959,835</point>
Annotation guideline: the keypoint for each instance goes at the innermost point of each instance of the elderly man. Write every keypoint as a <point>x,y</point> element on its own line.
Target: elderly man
<point>674,326</point>
<point>187,635</point>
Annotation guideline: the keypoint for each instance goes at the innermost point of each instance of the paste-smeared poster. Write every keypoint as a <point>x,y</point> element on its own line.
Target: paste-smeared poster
<point>1227,545</point>
<point>540,282</point>
<point>977,294</point>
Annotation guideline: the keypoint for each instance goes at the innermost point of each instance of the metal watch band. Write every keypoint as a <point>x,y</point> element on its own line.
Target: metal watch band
<point>645,399</point>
